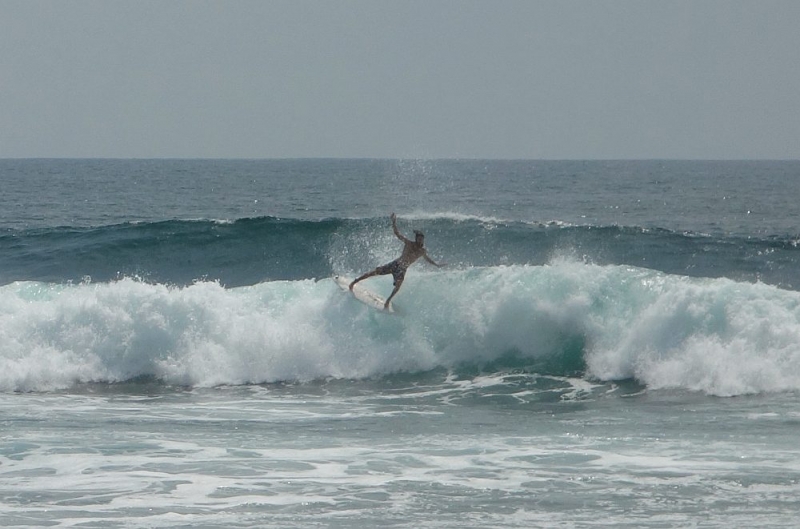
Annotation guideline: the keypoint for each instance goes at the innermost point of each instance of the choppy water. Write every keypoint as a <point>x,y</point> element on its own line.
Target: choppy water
<point>612,343</point>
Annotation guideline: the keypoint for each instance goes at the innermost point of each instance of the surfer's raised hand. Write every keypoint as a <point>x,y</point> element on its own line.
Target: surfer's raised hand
<point>393,217</point>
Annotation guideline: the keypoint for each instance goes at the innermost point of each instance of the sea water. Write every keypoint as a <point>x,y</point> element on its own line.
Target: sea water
<point>611,344</point>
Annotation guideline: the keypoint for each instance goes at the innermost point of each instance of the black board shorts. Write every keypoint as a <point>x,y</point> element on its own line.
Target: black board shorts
<point>395,268</point>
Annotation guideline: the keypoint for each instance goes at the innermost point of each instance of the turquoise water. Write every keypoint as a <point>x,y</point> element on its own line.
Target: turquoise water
<point>613,343</point>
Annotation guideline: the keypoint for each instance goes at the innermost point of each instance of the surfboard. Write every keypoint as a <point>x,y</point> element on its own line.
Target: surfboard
<point>363,295</point>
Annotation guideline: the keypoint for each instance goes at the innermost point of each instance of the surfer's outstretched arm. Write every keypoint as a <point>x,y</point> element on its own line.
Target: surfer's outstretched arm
<point>431,261</point>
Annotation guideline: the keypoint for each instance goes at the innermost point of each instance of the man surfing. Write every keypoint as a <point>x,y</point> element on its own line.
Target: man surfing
<point>412,250</point>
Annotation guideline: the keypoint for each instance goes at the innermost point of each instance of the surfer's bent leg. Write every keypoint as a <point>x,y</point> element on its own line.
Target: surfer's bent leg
<point>399,274</point>
<point>396,288</point>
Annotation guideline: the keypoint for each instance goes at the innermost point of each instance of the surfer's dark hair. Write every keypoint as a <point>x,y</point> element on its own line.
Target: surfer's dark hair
<point>418,233</point>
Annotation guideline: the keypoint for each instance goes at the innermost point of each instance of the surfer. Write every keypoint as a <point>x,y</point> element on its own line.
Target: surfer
<point>412,250</point>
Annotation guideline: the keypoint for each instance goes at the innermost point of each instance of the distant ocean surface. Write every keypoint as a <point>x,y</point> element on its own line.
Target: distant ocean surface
<point>612,343</point>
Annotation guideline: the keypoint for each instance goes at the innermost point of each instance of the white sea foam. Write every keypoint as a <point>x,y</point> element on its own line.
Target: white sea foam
<point>453,216</point>
<point>490,220</point>
<point>262,456</point>
<point>711,335</point>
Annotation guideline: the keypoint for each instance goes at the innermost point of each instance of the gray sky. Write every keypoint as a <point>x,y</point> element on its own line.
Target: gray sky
<point>400,79</point>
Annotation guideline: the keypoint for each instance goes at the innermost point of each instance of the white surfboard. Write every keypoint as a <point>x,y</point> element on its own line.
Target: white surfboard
<point>363,295</point>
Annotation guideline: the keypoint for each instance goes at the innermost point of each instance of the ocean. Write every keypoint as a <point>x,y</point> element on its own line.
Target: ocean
<point>611,344</point>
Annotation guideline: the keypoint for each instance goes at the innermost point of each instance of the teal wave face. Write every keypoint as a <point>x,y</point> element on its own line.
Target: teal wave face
<point>249,251</point>
<point>175,252</point>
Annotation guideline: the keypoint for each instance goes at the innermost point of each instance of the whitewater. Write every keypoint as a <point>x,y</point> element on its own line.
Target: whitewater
<point>564,318</point>
<point>611,344</point>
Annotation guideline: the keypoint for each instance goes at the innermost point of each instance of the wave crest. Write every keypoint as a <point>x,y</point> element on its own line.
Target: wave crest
<point>602,322</point>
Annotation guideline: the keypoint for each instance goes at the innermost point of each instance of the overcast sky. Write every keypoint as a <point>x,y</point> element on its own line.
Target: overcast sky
<point>400,79</point>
